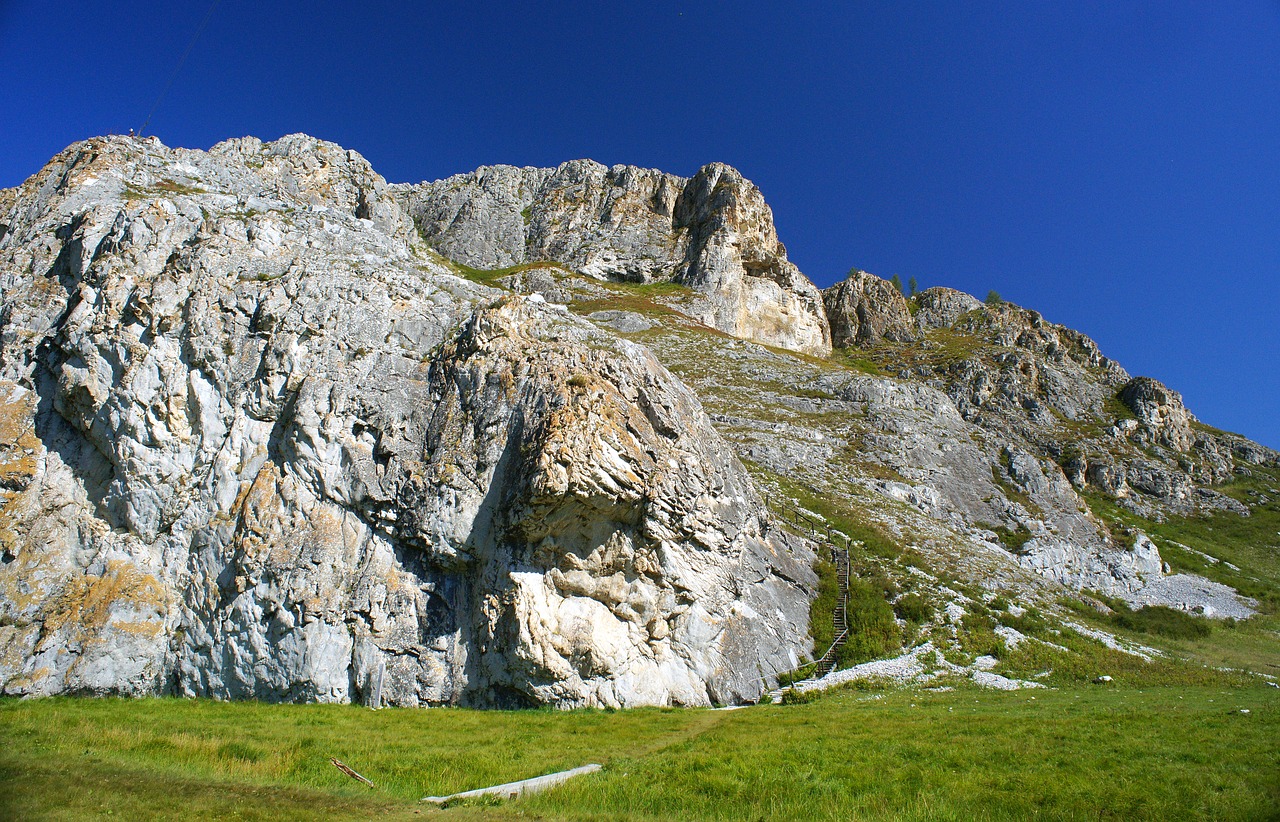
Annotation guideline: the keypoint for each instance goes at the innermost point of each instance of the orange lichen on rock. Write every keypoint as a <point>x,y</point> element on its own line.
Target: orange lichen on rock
<point>87,602</point>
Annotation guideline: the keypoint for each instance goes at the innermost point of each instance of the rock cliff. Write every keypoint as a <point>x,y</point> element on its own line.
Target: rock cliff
<point>864,309</point>
<point>264,446</point>
<point>712,232</point>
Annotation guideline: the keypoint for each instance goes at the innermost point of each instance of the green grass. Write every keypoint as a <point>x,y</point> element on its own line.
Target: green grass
<point>823,606</point>
<point>491,276</point>
<point>132,193</point>
<point>940,349</point>
<point>1089,752</point>
<point>144,746</point>
<point>1162,621</point>
<point>663,288</point>
<point>1014,541</point>
<point>873,632</point>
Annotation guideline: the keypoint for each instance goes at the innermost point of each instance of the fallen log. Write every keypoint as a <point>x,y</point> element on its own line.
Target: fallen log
<point>511,790</point>
<point>340,766</point>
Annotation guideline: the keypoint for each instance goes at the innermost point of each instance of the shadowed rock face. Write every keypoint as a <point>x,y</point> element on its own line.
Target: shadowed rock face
<point>266,448</point>
<point>713,232</point>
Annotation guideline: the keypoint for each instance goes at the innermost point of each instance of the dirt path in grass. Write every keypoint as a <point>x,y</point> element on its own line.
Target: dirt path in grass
<point>702,722</point>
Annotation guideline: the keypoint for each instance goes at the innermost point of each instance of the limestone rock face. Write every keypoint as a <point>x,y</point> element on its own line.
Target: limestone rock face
<point>1160,411</point>
<point>258,440</point>
<point>258,444</point>
<point>940,307</point>
<point>865,309</point>
<point>917,433</point>
<point>713,232</point>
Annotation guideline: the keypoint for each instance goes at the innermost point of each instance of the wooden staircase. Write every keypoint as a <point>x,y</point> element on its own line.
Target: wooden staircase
<point>826,663</point>
<point>826,537</point>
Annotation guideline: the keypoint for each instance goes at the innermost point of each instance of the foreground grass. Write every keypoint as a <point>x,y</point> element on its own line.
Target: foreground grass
<point>1096,752</point>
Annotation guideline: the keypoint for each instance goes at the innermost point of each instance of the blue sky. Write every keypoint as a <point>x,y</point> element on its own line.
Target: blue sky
<point>1114,165</point>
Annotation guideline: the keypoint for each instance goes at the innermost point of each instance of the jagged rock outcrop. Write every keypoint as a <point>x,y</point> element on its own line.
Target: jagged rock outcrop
<point>264,447</point>
<point>1051,389</point>
<point>1160,411</point>
<point>864,309</point>
<point>712,232</point>
<point>940,307</point>
<point>947,471</point>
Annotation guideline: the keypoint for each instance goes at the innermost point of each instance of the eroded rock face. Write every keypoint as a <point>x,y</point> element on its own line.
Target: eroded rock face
<point>713,232</point>
<point>863,309</point>
<point>264,447</point>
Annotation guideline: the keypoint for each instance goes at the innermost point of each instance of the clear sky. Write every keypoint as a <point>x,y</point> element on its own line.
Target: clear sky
<point>1113,165</point>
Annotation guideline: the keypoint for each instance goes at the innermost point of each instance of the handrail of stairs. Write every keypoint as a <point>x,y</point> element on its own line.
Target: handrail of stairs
<point>822,531</point>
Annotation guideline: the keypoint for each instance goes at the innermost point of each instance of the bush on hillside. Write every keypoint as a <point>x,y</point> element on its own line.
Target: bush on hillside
<point>1168,622</point>
<point>873,633</point>
<point>914,608</point>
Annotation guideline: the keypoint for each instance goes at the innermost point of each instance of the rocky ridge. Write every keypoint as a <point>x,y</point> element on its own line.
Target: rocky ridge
<point>712,232</point>
<point>276,429</point>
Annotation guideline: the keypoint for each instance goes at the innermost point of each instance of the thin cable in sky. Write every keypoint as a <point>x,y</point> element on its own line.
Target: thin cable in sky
<point>178,67</point>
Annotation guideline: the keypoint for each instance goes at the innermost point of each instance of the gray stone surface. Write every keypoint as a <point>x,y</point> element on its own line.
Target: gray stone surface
<point>626,322</point>
<point>940,307</point>
<point>1160,411</point>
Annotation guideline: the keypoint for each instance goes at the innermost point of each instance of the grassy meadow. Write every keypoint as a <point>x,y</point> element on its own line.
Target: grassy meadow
<point>1086,752</point>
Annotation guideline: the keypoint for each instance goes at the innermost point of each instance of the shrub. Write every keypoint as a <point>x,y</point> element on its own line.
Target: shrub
<point>977,636</point>
<point>793,697</point>
<point>873,633</point>
<point>994,298</point>
<point>1157,619</point>
<point>1014,541</point>
<point>914,608</point>
<point>1031,623</point>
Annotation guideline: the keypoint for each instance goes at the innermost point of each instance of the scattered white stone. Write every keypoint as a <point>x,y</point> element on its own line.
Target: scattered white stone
<point>1011,637</point>
<point>1003,683</point>
<point>1195,595</point>
<point>1140,651</point>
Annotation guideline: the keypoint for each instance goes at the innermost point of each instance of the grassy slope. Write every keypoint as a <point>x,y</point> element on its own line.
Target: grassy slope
<point>1252,544</point>
<point>728,385</point>
<point>1086,752</point>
